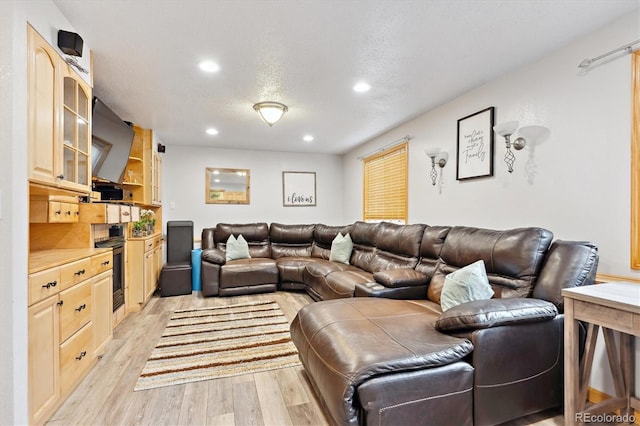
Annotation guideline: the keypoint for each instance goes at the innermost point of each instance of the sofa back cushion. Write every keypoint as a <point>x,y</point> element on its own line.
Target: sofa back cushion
<point>256,235</point>
<point>291,240</point>
<point>397,246</point>
<point>323,236</point>
<point>567,264</point>
<point>364,236</point>
<point>430,248</point>
<point>206,241</point>
<point>513,258</point>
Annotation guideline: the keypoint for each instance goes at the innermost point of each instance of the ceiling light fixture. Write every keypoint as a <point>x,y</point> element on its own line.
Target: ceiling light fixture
<point>209,66</point>
<point>307,138</point>
<point>212,131</point>
<point>362,87</point>
<point>270,112</point>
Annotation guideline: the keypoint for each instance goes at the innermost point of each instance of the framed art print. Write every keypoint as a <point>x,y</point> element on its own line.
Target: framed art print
<point>475,145</point>
<point>298,189</point>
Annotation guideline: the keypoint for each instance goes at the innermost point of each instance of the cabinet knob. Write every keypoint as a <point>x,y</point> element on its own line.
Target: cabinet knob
<point>105,263</point>
<point>60,177</point>
<point>80,272</point>
<point>68,212</point>
<point>58,212</point>
<point>81,307</point>
<point>77,213</point>
<point>82,355</point>
<point>60,303</point>
<point>50,284</point>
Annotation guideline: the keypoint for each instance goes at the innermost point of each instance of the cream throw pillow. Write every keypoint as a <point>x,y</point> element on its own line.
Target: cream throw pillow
<point>465,285</point>
<point>341,248</point>
<point>237,248</point>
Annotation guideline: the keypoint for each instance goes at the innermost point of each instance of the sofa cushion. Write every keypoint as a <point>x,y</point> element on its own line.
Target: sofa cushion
<point>256,235</point>
<point>290,240</point>
<point>237,248</point>
<point>401,277</point>
<point>568,264</point>
<point>343,283</point>
<point>465,285</point>
<point>495,312</point>
<point>513,258</point>
<point>323,236</point>
<point>342,343</point>
<point>341,248</point>
<point>436,283</point>
<point>248,272</point>
<point>401,240</point>
<point>291,269</point>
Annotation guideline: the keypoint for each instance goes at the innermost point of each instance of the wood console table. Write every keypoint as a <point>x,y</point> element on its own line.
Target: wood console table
<point>614,307</point>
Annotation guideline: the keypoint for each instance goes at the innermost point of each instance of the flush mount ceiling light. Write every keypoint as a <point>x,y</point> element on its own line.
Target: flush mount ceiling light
<point>307,138</point>
<point>212,131</point>
<point>270,112</point>
<point>209,66</point>
<point>361,87</point>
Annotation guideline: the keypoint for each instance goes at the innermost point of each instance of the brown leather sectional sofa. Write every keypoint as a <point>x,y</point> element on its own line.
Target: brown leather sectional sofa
<point>394,357</point>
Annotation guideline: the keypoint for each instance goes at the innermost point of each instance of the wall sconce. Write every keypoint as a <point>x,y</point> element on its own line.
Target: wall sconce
<point>437,157</point>
<point>505,130</point>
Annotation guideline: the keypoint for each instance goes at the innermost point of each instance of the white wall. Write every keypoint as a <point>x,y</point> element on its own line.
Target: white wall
<point>580,189</point>
<point>183,186</point>
<point>47,19</point>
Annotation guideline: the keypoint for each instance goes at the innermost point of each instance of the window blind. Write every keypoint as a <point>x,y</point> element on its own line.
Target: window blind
<point>385,185</point>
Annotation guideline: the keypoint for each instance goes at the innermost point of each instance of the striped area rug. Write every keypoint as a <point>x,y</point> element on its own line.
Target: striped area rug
<point>209,343</point>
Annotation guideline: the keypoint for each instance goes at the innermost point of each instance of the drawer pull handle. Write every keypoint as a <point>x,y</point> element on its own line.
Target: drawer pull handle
<point>77,213</point>
<point>51,284</point>
<point>68,212</point>
<point>58,212</point>
<point>81,307</point>
<point>60,176</point>
<point>60,303</point>
<point>80,272</point>
<point>105,263</point>
<point>125,213</point>
<point>82,355</point>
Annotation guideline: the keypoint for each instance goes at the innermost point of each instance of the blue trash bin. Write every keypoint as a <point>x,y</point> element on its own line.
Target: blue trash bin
<point>196,257</point>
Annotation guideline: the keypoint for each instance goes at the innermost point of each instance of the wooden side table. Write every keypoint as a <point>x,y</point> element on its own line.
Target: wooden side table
<point>615,307</point>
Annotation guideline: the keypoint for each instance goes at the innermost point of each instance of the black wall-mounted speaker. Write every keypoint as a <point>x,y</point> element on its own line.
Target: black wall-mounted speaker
<point>161,148</point>
<point>70,43</point>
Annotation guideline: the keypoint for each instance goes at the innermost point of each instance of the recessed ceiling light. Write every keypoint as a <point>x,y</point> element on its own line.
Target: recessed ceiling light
<point>209,66</point>
<point>307,138</point>
<point>212,131</point>
<point>362,87</point>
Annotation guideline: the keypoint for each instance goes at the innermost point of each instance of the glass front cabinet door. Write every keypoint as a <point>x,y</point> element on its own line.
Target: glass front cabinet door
<point>76,133</point>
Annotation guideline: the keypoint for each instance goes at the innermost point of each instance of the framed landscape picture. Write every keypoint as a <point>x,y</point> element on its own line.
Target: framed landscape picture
<point>298,189</point>
<point>475,145</point>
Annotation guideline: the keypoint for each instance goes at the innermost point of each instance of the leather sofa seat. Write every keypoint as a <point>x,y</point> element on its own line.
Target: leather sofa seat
<point>343,343</point>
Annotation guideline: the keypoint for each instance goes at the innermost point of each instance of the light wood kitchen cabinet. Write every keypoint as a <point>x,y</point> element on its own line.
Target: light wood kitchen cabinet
<point>44,364</point>
<point>58,120</point>
<point>102,300</point>
<point>41,211</point>
<point>68,307</point>
<point>145,263</point>
<point>143,177</point>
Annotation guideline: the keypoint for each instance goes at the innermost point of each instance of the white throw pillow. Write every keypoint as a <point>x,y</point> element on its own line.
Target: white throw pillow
<point>237,248</point>
<point>465,285</point>
<point>341,248</point>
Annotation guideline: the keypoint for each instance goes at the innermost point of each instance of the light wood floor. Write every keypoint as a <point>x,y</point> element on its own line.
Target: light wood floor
<point>279,397</point>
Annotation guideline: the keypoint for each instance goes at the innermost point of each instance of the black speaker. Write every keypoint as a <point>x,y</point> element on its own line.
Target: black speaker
<point>70,43</point>
<point>179,241</point>
<point>161,148</point>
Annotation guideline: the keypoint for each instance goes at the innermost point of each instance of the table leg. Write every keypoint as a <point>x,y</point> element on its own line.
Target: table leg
<point>571,364</point>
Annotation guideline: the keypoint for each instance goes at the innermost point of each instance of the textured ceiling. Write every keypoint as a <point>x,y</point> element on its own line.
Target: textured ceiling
<point>308,54</point>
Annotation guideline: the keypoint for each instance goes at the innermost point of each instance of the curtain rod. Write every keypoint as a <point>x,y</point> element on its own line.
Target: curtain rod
<point>387,146</point>
<point>627,47</point>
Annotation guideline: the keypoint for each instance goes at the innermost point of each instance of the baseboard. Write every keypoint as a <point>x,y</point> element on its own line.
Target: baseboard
<point>605,278</point>
<point>595,396</point>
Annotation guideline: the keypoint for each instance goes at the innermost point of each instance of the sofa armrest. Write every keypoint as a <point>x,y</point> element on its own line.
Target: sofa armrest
<point>400,277</point>
<point>214,255</point>
<point>481,314</point>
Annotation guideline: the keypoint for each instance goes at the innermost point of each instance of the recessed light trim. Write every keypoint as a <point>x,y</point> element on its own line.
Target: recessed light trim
<point>209,66</point>
<point>307,138</point>
<point>361,87</point>
<point>211,131</point>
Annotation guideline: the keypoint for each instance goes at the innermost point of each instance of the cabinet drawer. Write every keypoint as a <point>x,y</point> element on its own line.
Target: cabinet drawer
<point>125,214</point>
<point>99,213</point>
<point>75,309</point>
<point>42,211</point>
<point>100,263</point>
<point>76,356</point>
<point>43,284</point>
<point>74,272</point>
